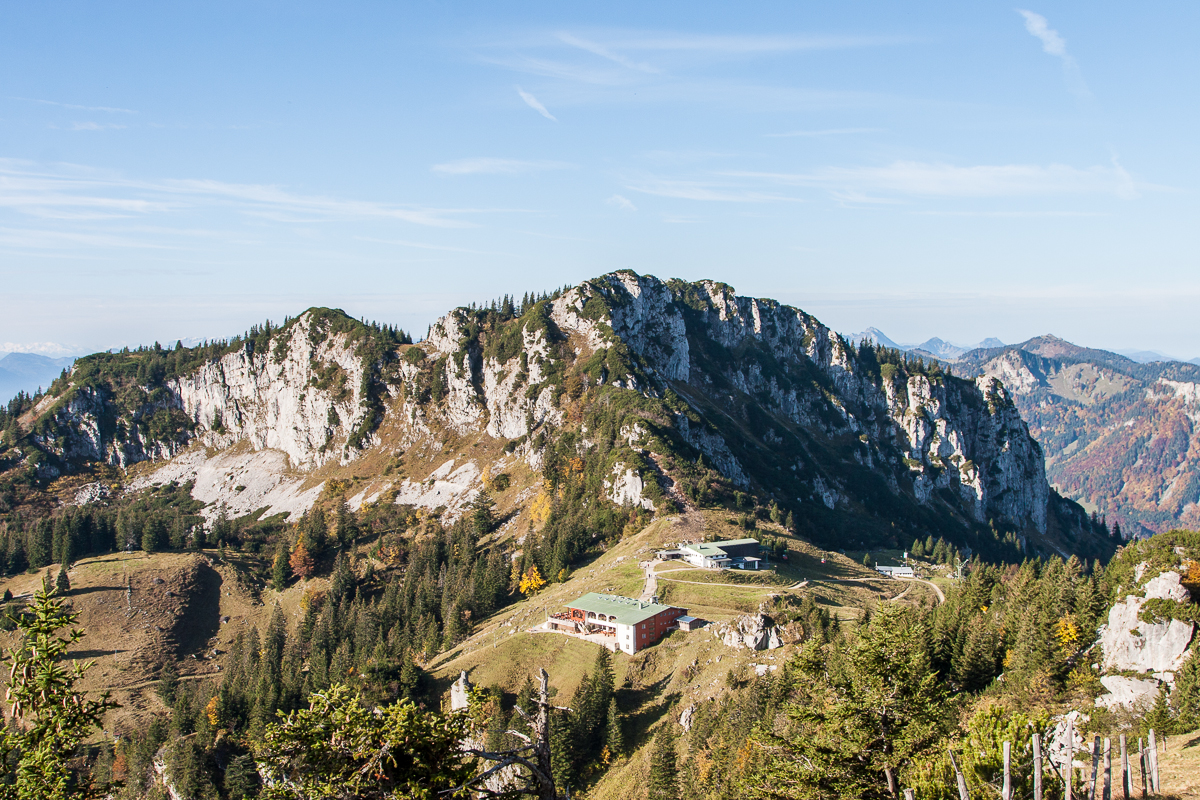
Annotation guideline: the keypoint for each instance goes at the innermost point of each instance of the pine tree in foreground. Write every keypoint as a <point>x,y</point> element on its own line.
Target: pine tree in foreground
<point>54,716</point>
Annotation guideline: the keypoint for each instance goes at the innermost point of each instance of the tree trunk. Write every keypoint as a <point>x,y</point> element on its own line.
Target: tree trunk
<point>546,787</point>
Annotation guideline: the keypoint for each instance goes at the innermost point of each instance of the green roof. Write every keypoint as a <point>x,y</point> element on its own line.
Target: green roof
<point>713,549</point>
<point>626,610</point>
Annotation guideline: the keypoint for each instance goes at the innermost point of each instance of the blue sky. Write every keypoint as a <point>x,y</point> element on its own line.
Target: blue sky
<point>960,170</point>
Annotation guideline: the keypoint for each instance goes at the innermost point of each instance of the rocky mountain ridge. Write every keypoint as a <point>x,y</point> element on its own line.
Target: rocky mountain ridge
<point>666,393</point>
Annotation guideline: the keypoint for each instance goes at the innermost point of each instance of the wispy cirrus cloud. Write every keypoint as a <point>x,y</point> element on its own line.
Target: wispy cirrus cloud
<point>533,103</point>
<point>1055,45</point>
<point>920,179</point>
<point>605,52</point>
<point>621,58</point>
<point>74,107</point>
<point>95,126</point>
<point>496,166</point>
<point>826,132</point>
<point>897,183</point>
<point>708,190</point>
<point>66,191</point>
<point>90,210</point>
<point>743,44</point>
<point>621,202</point>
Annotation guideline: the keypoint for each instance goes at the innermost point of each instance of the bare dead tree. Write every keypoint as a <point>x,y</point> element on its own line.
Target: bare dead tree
<point>533,757</point>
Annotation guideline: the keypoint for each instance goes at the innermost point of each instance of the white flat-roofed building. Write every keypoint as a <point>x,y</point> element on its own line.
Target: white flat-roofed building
<point>739,553</point>
<point>896,572</point>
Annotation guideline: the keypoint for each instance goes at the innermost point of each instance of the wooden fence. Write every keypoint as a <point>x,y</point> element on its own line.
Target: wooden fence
<point>1146,755</point>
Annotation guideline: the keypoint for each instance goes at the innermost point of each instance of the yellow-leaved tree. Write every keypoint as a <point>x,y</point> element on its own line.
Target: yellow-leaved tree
<point>532,581</point>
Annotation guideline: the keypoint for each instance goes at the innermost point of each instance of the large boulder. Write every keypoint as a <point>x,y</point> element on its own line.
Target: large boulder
<point>1133,645</point>
<point>1167,586</point>
<point>460,693</point>
<point>1058,747</point>
<point>753,631</point>
<point>1129,693</point>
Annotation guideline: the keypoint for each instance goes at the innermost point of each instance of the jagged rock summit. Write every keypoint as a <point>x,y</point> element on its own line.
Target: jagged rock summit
<point>665,393</point>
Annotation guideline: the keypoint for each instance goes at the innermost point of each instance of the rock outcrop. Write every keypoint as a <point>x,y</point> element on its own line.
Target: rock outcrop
<point>460,693</point>
<point>303,398</point>
<point>1156,649</point>
<point>1130,693</point>
<point>752,631</point>
<point>1060,749</point>
<point>1131,644</point>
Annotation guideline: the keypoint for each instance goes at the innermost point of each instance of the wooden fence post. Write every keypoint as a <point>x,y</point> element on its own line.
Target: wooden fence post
<point>1153,750</point>
<point>963,794</point>
<point>1107,769</point>
<point>909,794</point>
<point>1095,767</point>
<point>1126,778</point>
<point>1006,793</point>
<point>1070,760</point>
<point>1142,764</point>
<point>1037,766</point>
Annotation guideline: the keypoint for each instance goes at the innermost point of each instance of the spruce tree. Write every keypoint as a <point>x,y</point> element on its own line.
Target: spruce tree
<point>664,771</point>
<point>51,717</point>
<point>614,738</point>
<point>62,583</point>
<point>241,778</point>
<point>280,569</point>
<point>562,749</point>
<point>341,582</point>
<point>1186,697</point>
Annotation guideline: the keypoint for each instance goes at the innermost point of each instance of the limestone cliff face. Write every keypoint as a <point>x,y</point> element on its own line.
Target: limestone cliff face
<point>690,378</point>
<point>303,398</point>
<point>279,401</point>
<point>939,433</point>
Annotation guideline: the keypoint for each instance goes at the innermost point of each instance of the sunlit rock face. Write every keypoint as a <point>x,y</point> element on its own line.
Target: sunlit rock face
<point>1130,643</point>
<point>760,392</point>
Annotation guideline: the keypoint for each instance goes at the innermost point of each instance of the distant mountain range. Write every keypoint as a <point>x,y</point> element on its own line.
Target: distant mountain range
<point>939,348</point>
<point>28,372</point>
<point>1150,356</point>
<point>1120,431</point>
<point>1120,436</point>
